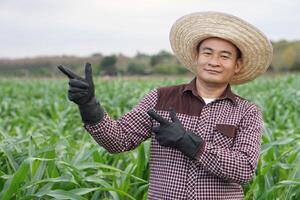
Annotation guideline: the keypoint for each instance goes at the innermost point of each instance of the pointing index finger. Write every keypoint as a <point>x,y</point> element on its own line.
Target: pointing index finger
<point>88,73</point>
<point>173,116</point>
<point>67,72</point>
<point>157,117</point>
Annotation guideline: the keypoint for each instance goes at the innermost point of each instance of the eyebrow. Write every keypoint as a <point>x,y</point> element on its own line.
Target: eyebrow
<point>210,49</point>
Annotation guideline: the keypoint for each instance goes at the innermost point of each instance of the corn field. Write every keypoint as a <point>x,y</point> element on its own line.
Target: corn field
<point>45,153</point>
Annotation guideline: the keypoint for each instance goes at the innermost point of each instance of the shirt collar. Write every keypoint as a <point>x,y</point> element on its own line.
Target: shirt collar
<point>227,94</point>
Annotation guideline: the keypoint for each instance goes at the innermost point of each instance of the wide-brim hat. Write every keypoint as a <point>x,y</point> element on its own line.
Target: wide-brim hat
<point>188,31</point>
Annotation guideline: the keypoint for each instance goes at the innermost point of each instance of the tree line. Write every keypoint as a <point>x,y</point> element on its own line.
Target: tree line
<point>286,58</point>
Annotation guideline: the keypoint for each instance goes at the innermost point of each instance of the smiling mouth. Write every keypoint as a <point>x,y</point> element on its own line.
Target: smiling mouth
<point>212,71</point>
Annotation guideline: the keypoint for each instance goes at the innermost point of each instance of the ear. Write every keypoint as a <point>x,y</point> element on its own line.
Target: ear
<point>238,66</point>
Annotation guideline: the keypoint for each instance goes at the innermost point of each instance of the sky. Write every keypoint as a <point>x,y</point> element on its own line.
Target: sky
<point>31,28</point>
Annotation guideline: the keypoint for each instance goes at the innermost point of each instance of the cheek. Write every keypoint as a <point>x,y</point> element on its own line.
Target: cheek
<point>228,64</point>
<point>199,67</point>
<point>200,61</point>
<point>229,68</point>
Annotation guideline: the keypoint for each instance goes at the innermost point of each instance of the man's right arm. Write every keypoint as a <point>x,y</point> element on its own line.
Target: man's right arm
<point>127,132</point>
<point>116,136</point>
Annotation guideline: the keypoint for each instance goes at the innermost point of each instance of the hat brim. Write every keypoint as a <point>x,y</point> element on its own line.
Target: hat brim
<point>188,31</point>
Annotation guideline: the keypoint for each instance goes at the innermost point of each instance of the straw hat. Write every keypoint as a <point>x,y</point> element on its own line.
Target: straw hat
<point>189,30</point>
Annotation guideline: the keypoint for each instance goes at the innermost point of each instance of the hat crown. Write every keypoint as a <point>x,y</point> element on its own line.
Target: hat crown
<point>188,31</point>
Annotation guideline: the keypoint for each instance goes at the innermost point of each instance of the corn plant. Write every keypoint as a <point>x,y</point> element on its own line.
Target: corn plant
<point>45,153</point>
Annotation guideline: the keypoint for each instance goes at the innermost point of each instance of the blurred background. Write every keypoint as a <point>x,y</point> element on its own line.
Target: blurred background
<point>126,37</point>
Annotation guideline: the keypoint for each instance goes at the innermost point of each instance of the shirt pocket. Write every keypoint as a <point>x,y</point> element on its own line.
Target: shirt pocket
<point>224,135</point>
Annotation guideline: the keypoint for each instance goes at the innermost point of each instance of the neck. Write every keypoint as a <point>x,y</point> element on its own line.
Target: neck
<point>207,90</point>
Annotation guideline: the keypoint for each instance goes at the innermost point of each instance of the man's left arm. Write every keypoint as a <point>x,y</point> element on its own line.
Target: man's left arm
<point>239,162</point>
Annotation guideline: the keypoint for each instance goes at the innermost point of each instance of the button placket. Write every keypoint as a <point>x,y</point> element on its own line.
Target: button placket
<point>200,127</point>
<point>202,122</point>
<point>191,180</point>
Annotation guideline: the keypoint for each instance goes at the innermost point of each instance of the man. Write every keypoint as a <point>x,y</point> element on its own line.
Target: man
<point>205,140</point>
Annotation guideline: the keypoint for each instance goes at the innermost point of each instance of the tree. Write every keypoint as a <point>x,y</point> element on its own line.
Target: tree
<point>166,63</point>
<point>138,68</point>
<point>159,58</point>
<point>108,65</point>
<point>286,55</point>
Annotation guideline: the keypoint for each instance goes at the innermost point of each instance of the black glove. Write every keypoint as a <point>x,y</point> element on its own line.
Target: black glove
<point>173,134</point>
<point>82,92</point>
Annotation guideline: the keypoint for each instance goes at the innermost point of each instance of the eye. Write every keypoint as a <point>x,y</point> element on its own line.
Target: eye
<point>206,53</point>
<point>225,57</point>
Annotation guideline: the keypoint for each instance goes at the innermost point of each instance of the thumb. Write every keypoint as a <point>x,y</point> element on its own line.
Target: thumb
<point>88,73</point>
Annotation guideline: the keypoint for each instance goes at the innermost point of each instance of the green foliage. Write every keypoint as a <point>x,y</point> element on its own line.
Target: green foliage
<point>286,56</point>
<point>108,65</point>
<point>45,153</point>
<point>165,63</point>
<point>167,69</point>
<point>161,57</point>
<point>137,68</point>
<point>139,65</point>
<point>278,173</point>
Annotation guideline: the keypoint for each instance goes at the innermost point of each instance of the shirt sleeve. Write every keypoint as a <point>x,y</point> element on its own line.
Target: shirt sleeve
<point>239,162</point>
<point>127,132</point>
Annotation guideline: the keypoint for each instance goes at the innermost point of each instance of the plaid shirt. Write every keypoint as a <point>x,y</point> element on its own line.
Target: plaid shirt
<point>230,125</point>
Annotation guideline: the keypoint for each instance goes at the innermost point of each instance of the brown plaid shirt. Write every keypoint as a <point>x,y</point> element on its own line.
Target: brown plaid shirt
<point>231,127</point>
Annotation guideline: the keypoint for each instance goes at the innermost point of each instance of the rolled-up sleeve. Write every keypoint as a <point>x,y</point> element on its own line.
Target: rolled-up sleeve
<point>127,132</point>
<point>239,162</point>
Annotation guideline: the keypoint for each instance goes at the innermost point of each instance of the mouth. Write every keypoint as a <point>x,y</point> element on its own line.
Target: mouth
<point>211,71</point>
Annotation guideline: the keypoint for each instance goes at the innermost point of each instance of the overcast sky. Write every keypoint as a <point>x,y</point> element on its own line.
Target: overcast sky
<point>77,27</point>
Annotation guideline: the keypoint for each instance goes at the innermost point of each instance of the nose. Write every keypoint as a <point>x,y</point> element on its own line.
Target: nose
<point>214,61</point>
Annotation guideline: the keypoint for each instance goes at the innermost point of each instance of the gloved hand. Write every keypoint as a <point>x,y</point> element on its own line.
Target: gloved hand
<point>173,134</point>
<point>82,92</point>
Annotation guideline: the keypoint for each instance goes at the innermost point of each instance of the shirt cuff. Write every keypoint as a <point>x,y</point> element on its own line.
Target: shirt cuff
<point>98,126</point>
<point>203,150</point>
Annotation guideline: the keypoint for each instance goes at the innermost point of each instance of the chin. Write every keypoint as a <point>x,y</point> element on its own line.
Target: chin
<point>214,81</point>
<point>212,78</point>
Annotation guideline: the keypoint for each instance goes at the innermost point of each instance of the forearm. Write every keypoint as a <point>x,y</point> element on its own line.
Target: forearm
<point>127,132</point>
<point>226,163</point>
<point>120,135</point>
<point>237,163</point>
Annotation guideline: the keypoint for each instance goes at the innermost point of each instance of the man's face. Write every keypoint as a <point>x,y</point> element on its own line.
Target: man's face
<point>217,61</point>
